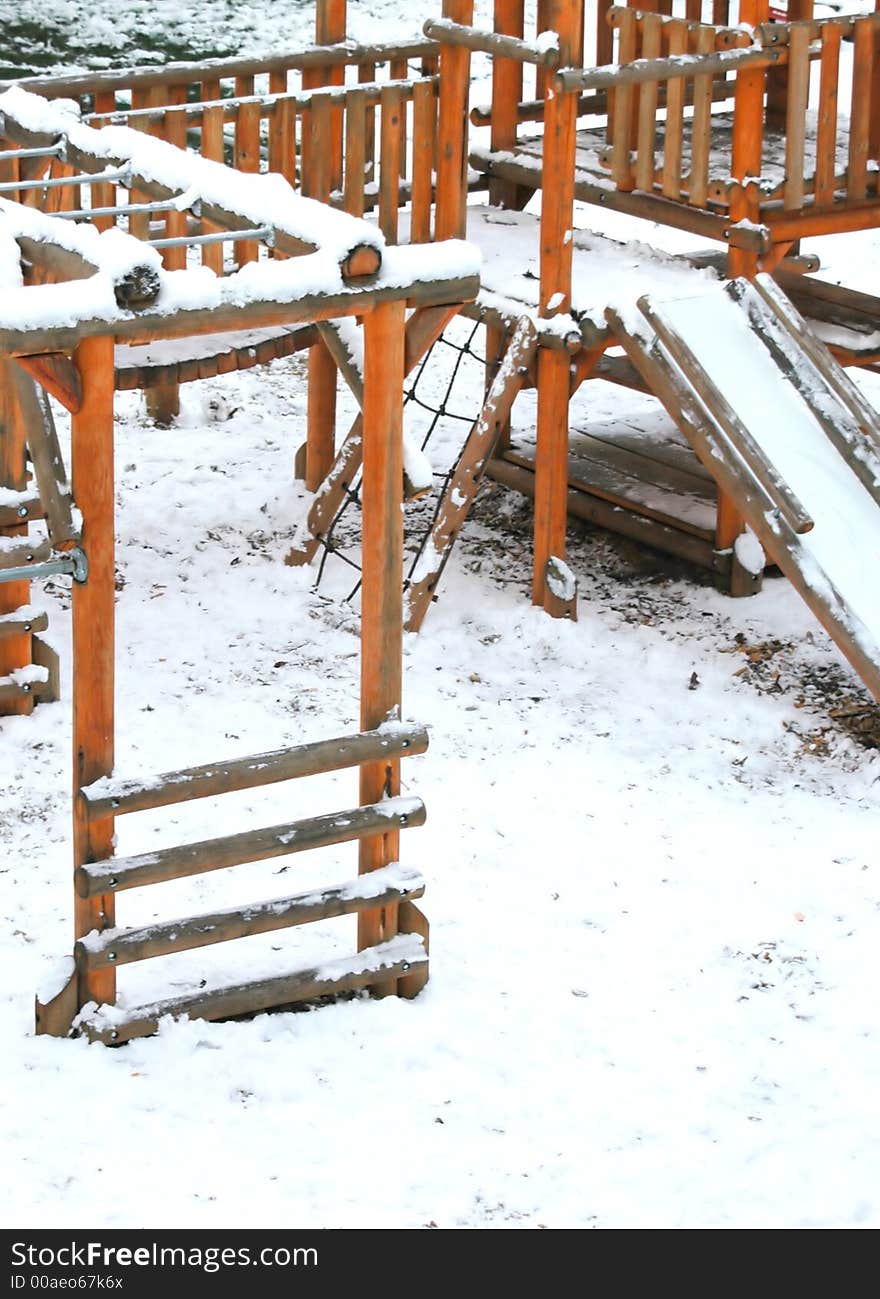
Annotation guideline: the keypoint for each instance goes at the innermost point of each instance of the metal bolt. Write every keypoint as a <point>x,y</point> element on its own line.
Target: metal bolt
<point>404,744</point>
<point>403,820</point>
<point>26,689</point>
<point>111,956</point>
<point>27,626</point>
<point>114,802</point>
<point>113,883</point>
<point>114,1035</point>
<point>22,511</point>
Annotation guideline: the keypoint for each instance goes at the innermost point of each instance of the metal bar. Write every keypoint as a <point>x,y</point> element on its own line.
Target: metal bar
<point>73,564</point>
<point>54,182</point>
<point>46,151</point>
<point>126,209</point>
<point>299,99</point>
<point>266,233</point>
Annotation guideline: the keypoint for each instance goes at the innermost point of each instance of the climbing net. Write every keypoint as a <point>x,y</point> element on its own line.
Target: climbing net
<point>451,368</point>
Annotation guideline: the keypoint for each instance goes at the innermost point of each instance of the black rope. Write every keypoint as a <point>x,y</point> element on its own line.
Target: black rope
<point>413,395</point>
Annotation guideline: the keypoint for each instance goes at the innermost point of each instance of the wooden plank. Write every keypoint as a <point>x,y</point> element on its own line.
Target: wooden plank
<point>56,373</point>
<point>94,638</point>
<point>701,131</point>
<point>461,489</point>
<point>330,29</point>
<point>276,141</point>
<point>247,158</point>
<point>450,215</point>
<point>116,947</point>
<point>619,517</point>
<point>382,584</point>
<point>860,109</point>
<point>647,123</point>
<point>387,961</point>
<point>212,147</point>
<point>796,116</point>
<point>507,91</point>
<point>424,160</point>
<point>826,133</point>
<point>38,429</point>
<point>620,115</point>
<point>114,875</point>
<point>783,498</point>
<point>672,140</point>
<point>356,152</point>
<point>390,106</point>
<point>411,920</point>
<point>22,622</point>
<point>117,797</point>
<point>15,649</point>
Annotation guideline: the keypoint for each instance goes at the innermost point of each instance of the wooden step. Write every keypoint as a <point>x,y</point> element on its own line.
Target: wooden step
<point>117,873</point>
<point>112,796</point>
<point>29,682</point>
<point>389,884</point>
<point>207,356</point>
<point>402,956</point>
<point>23,621</point>
<point>17,552</point>
<point>18,508</point>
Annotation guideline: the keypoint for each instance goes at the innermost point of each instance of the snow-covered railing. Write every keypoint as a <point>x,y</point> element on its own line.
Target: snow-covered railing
<point>213,191</point>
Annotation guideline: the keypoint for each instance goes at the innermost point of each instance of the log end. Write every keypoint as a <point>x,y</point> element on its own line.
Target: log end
<point>363,261</point>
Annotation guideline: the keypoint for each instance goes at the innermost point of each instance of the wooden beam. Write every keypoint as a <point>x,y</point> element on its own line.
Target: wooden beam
<point>94,638</point>
<point>15,649</point>
<point>382,586</point>
<point>57,374</point>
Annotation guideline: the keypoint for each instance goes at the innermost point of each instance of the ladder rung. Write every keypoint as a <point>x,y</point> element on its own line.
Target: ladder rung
<point>378,888</point>
<point>113,797</point>
<point>22,622</point>
<point>119,873</point>
<point>400,956</point>
<point>15,554</point>
<point>25,509</point>
<point>23,683</point>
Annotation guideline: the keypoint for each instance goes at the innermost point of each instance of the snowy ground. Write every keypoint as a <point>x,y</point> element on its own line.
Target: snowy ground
<point>652,882</point>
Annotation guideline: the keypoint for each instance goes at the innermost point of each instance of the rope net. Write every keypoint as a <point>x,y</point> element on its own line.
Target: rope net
<point>430,417</point>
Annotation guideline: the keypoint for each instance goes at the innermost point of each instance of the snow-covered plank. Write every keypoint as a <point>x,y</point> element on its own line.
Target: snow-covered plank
<point>390,884</point>
<point>116,873</point>
<point>402,955</point>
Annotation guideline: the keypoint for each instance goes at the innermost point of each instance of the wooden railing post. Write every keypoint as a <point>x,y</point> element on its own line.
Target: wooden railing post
<point>748,138</point>
<point>15,651</point>
<point>557,220</point>
<point>507,91</point>
<point>777,78</point>
<point>382,583</point>
<point>325,159</point>
<point>94,638</point>
<point>455,62</point>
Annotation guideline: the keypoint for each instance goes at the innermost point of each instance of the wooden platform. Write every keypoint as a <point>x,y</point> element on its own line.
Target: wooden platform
<point>638,477</point>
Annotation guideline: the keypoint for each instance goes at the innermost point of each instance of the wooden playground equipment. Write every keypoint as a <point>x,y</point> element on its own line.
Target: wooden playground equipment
<point>686,113</point>
<point>336,268</point>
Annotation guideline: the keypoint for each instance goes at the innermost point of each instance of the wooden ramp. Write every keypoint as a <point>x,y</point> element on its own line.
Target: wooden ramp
<point>785,433</point>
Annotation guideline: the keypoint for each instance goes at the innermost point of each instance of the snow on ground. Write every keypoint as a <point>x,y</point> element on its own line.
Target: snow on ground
<point>651,876</point>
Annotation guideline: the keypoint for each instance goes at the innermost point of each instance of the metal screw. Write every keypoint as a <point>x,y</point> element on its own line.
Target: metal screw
<point>111,956</point>
<point>22,511</point>
<point>403,820</point>
<point>113,883</point>
<point>404,744</point>
<point>27,626</point>
<point>114,802</point>
<point>405,966</point>
<point>114,1035</point>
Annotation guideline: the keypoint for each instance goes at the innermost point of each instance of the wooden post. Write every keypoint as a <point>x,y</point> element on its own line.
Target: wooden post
<point>748,135</point>
<point>93,638</point>
<point>382,588</point>
<point>163,399</point>
<point>507,91</point>
<point>451,214</point>
<point>323,160</point>
<point>557,219</point>
<point>15,651</point>
<point>777,78</point>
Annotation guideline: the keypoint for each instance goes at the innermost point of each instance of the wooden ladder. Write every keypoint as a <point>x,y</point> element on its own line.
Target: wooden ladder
<point>397,962</point>
<point>28,666</point>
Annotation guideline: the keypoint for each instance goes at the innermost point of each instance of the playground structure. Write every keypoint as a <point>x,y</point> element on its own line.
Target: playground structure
<point>338,269</point>
<point>694,119</point>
